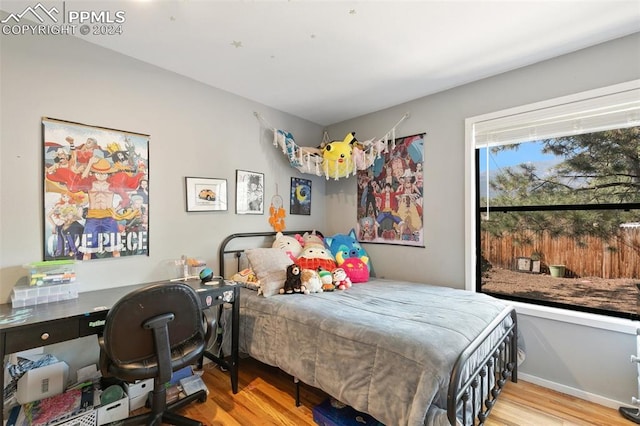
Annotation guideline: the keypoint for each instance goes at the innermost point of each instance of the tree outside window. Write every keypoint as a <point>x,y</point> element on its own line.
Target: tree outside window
<point>570,201</point>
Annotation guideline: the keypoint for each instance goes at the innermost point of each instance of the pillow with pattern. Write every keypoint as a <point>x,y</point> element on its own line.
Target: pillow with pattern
<point>247,279</point>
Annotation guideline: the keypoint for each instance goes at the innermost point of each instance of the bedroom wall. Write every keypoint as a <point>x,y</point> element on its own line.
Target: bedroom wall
<point>590,362</point>
<point>196,130</point>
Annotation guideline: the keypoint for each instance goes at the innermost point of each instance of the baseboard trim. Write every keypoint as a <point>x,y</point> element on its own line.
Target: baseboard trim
<point>587,396</point>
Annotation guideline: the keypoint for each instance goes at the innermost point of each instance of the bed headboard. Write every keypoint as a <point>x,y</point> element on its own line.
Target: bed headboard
<point>232,247</point>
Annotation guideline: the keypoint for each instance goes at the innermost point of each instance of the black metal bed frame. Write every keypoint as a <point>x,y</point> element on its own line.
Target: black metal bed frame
<point>474,385</point>
<point>478,390</point>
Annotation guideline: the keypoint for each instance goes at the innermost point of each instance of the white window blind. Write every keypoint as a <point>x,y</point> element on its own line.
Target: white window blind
<point>610,108</point>
<point>613,107</point>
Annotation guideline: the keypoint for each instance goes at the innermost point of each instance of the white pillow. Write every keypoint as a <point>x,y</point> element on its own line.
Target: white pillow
<point>270,265</point>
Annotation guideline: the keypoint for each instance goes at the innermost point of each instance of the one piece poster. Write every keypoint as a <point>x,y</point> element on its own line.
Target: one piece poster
<point>390,195</point>
<point>96,192</point>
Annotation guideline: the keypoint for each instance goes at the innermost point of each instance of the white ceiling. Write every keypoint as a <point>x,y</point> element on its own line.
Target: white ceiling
<point>329,61</point>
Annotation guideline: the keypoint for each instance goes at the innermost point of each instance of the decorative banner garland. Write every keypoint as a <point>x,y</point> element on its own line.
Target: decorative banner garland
<point>314,161</point>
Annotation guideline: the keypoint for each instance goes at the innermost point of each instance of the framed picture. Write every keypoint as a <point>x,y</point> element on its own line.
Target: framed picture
<point>96,191</point>
<point>205,194</point>
<point>390,207</point>
<point>249,192</point>
<point>300,199</point>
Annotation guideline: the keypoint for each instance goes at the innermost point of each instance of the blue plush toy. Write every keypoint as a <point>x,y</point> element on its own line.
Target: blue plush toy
<point>349,255</point>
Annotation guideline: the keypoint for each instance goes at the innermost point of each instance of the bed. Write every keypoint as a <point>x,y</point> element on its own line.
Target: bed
<point>405,353</point>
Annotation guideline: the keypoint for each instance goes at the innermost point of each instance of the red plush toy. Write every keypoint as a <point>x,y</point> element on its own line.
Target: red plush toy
<point>356,269</point>
<point>314,257</point>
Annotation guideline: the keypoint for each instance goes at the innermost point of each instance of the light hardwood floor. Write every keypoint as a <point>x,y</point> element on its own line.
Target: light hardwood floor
<point>266,397</point>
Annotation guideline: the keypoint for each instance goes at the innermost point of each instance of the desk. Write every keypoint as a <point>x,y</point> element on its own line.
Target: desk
<point>40,325</point>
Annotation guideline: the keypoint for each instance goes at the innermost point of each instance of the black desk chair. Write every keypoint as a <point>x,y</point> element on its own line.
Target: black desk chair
<point>150,333</point>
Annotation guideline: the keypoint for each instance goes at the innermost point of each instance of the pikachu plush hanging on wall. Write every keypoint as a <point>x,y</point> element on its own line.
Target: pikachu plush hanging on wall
<point>336,157</point>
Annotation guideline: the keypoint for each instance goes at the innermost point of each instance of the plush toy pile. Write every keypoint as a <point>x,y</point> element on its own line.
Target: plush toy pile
<point>322,264</point>
<point>350,256</point>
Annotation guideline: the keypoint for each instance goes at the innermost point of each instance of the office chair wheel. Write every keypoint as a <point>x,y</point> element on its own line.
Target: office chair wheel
<point>632,414</point>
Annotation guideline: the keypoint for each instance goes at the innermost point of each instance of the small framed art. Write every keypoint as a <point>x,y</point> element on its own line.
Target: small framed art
<point>205,194</point>
<point>249,192</point>
<point>300,199</point>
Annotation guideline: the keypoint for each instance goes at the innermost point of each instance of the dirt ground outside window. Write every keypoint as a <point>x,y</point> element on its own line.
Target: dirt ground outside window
<point>621,295</point>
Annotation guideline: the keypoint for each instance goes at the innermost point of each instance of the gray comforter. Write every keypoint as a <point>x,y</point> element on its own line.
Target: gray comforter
<point>384,347</point>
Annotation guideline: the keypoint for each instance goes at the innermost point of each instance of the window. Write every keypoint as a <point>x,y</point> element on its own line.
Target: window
<point>553,202</point>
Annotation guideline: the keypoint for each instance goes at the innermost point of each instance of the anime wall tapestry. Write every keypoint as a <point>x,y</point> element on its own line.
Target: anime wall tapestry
<point>390,195</point>
<point>96,192</point>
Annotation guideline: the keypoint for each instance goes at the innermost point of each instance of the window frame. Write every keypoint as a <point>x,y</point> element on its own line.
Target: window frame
<point>472,224</point>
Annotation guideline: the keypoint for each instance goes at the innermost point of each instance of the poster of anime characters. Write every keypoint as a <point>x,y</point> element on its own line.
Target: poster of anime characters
<point>390,195</point>
<point>96,192</point>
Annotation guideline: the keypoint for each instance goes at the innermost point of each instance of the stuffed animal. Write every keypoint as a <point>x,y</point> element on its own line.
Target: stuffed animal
<point>340,279</point>
<point>356,270</point>
<point>289,244</point>
<point>326,279</point>
<point>336,157</point>
<point>293,282</point>
<point>310,239</point>
<point>311,281</point>
<point>315,256</point>
<point>349,255</point>
<point>288,144</point>
<point>364,154</point>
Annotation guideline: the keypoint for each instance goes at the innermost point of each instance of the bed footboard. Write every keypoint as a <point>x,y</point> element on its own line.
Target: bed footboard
<point>482,370</point>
